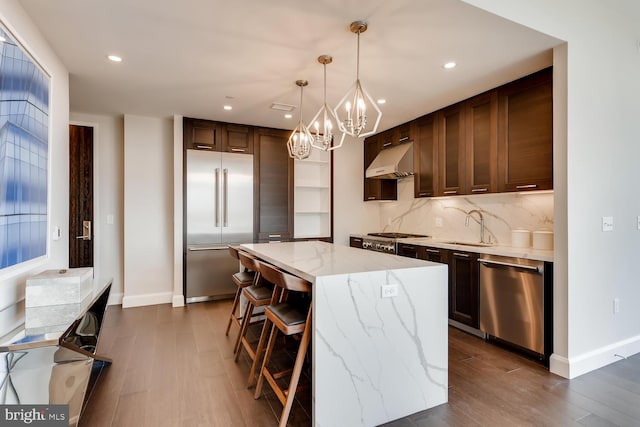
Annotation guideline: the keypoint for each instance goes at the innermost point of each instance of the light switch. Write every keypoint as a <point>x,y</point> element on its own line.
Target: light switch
<point>57,233</point>
<point>110,219</point>
<point>607,223</point>
<point>438,222</point>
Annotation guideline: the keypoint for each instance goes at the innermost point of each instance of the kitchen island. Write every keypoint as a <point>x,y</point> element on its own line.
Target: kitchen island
<point>379,330</point>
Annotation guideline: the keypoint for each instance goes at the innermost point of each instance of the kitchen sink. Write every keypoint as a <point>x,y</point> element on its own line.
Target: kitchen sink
<point>450,242</point>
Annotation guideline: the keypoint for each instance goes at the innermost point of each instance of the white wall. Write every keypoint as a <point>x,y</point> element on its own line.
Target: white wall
<point>148,211</point>
<point>12,279</point>
<point>602,63</point>
<point>108,191</point>
<point>351,214</point>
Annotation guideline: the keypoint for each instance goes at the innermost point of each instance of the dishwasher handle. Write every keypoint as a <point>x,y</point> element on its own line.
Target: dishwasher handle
<point>508,264</point>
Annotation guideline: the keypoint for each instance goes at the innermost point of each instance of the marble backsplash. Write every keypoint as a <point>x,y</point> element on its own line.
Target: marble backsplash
<point>502,213</point>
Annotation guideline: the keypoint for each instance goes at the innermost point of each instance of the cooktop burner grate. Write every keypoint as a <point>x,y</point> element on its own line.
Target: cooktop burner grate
<point>396,235</point>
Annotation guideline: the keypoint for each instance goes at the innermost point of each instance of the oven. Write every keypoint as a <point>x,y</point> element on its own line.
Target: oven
<point>380,242</point>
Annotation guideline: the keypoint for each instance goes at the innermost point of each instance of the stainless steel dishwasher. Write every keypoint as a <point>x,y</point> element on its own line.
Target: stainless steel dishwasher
<point>512,302</point>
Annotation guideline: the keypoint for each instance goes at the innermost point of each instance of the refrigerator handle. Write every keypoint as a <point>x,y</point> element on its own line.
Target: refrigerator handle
<point>225,194</point>
<point>217,197</point>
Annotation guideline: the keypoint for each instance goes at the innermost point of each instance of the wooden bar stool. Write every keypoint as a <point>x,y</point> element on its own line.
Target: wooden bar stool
<point>290,320</point>
<point>257,295</point>
<point>242,279</point>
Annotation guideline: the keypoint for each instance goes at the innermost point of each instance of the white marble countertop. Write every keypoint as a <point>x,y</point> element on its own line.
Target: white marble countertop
<point>510,251</point>
<point>311,259</point>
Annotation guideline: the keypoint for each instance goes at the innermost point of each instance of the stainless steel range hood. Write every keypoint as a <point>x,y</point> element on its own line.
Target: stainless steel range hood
<point>392,163</point>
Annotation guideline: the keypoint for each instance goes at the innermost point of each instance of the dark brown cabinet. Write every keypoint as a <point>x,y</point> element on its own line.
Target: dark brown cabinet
<point>273,184</point>
<point>451,140</point>
<point>525,133</point>
<point>355,242</point>
<point>409,251</point>
<point>435,254</point>
<point>464,288</point>
<point>237,138</point>
<point>425,156</point>
<point>202,134</point>
<point>482,143</point>
<point>377,189</point>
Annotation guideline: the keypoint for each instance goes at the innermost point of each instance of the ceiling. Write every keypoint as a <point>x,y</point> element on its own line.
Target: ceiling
<point>191,57</point>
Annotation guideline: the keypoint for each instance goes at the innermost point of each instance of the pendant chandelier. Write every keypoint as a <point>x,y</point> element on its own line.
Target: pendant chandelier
<point>299,144</point>
<point>325,122</point>
<point>351,111</point>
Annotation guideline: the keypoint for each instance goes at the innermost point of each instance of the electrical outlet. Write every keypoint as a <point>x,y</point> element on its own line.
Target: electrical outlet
<point>389,291</point>
<point>607,223</point>
<point>616,305</point>
<point>439,222</point>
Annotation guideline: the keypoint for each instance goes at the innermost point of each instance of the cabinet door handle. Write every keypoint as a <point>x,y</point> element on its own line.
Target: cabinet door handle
<point>275,235</point>
<point>404,138</point>
<point>522,187</point>
<point>451,192</point>
<point>424,194</point>
<point>479,190</point>
<point>386,144</point>
<point>238,150</point>
<point>204,147</point>
<point>371,198</point>
<point>433,251</point>
<point>461,255</point>
<point>356,240</point>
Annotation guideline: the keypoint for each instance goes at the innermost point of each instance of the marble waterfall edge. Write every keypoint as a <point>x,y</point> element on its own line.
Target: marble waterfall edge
<point>387,356</point>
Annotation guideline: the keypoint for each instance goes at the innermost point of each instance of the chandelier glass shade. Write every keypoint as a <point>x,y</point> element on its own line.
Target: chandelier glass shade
<point>325,122</point>
<point>351,112</point>
<point>299,143</point>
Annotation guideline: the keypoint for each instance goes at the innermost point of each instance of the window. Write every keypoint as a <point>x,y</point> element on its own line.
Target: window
<point>24,119</point>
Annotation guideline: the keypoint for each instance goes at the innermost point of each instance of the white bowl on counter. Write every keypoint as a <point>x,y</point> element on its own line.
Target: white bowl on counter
<point>520,238</point>
<point>543,239</point>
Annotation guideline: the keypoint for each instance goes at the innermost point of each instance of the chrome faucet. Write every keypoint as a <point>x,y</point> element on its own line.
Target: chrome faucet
<point>466,222</point>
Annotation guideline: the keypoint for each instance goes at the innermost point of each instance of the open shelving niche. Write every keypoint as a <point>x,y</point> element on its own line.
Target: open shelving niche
<point>312,199</point>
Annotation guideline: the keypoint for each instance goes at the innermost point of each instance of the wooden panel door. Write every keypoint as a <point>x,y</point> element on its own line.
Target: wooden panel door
<point>273,181</point>
<point>237,139</point>
<point>377,189</point>
<point>202,134</point>
<point>482,143</point>
<point>464,288</point>
<point>80,196</point>
<point>452,150</point>
<point>425,156</point>
<point>525,133</point>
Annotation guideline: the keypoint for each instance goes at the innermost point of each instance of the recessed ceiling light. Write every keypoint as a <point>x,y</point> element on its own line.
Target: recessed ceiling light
<point>228,107</point>
<point>114,58</point>
<point>381,101</point>
<point>449,65</point>
<point>288,116</point>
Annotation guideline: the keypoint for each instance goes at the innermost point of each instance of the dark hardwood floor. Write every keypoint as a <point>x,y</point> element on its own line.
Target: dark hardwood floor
<point>174,367</point>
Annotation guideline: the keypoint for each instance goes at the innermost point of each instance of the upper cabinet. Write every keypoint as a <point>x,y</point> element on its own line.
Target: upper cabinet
<point>216,136</point>
<point>525,133</point>
<point>202,134</point>
<point>237,139</point>
<point>482,143</point>
<point>377,189</point>
<point>451,130</point>
<point>425,156</point>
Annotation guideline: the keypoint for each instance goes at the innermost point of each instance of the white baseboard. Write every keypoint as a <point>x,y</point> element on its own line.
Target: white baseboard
<point>147,299</point>
<point>178,301</point>
<point>595,359</point>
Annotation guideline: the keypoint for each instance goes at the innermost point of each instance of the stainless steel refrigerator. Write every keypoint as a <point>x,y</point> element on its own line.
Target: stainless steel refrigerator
<point>219,212</point>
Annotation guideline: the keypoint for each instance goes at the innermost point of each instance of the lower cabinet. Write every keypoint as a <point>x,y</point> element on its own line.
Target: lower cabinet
<point>464,289</point>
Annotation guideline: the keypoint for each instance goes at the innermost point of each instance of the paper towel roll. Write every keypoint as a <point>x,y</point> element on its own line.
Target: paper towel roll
<point>520,238</point>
